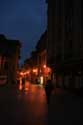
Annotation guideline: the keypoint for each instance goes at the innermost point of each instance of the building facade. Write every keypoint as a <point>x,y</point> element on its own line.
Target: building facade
<point>36,65</point>
<point>65,44</point>
<point>44,71</point>
<point>9,58</point>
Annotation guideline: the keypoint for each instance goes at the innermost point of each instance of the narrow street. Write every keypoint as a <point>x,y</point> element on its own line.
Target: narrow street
<point>27,106</point>
<point>23,106</point>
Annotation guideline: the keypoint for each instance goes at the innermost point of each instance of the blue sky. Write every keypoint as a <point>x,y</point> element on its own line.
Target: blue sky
<point>24,20</point>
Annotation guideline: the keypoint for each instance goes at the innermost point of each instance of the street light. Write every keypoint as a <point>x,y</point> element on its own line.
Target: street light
<point>44,66</point>
<point>35,71</point>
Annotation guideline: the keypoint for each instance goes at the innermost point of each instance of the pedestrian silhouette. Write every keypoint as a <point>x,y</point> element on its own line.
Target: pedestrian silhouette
<point>23,80</point>
<point>48,90</point>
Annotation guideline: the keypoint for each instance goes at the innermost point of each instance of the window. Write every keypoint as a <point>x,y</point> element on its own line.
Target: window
<point>68,17</point>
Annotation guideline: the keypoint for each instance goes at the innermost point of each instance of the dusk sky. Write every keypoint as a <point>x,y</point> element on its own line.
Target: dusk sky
<point>24,20</point>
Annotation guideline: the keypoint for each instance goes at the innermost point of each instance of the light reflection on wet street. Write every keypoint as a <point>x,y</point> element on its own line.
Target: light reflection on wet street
<point>25,105</point>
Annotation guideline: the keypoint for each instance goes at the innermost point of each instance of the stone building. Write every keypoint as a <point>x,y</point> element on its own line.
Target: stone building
<point>43,70</point>
<point>9,58</point>
<point>65,42</point>
<point>36,65</point>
